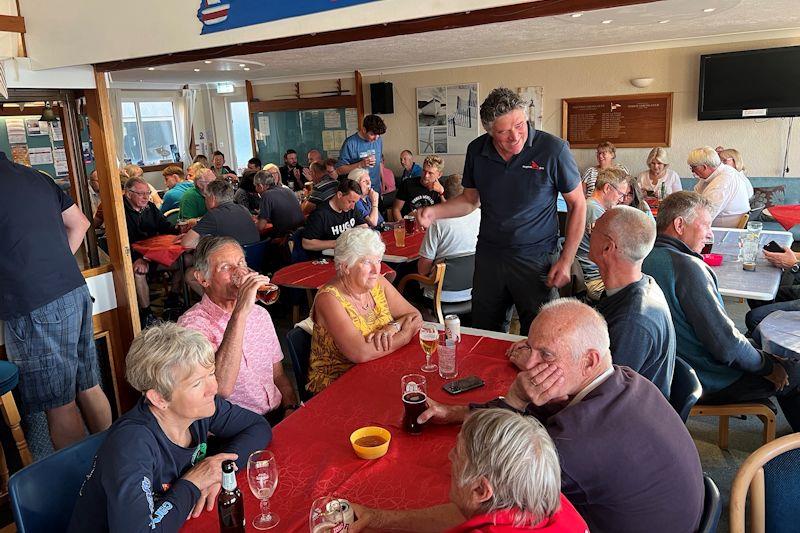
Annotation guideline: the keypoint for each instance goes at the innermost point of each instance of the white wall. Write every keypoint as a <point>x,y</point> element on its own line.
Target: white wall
<point>762,142</point>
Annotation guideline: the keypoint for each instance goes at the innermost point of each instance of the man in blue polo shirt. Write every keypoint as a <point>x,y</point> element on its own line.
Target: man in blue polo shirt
<point>514,174</point>
<point>46,305</point>
<point>364,149</point>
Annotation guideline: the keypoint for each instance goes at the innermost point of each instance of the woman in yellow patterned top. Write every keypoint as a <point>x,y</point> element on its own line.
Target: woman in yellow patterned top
<point>359,316</point>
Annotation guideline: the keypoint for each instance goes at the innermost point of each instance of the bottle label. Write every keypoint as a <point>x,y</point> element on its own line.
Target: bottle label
<point>229,480</point>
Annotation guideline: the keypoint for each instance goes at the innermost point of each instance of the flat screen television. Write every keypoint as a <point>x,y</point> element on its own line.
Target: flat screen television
<point>750,84</point>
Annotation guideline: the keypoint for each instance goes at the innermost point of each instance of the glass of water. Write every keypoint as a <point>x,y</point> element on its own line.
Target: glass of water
<point>447,357</point>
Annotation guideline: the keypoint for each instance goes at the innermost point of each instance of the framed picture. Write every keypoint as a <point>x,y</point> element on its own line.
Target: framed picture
<point>447,118</point>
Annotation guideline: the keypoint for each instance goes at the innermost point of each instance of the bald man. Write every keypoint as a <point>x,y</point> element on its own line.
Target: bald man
<point>626,456</point>
<point>639,322</point>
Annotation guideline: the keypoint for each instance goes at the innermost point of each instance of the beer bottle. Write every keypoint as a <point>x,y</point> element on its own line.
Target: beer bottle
<point>230,504</point>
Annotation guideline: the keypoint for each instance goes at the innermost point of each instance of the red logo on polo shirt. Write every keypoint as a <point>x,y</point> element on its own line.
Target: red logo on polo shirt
<point>533,165</point>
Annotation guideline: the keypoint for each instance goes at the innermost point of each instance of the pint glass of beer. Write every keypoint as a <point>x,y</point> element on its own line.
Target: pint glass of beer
<point>414,389</point>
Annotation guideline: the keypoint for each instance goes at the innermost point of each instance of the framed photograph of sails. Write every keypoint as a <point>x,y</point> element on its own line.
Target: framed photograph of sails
<point>447,118</point>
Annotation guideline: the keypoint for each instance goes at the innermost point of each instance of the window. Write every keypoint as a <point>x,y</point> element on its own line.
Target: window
<point>148,131</point>
<point>240,134</point>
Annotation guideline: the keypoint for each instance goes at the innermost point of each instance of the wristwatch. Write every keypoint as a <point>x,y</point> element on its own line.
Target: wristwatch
<point>795,269</point>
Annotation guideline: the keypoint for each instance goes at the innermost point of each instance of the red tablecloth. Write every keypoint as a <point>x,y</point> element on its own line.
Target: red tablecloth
<point>307,275</point>
<point>161,249</point>
<point>787,216</point>
<point>313,449</point>
<point>409,251</point>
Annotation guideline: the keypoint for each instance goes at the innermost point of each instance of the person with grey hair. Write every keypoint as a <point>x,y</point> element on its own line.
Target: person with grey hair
<point>279,205</point>
<point>359,316</point>
<point>368,204</point>
<point>651,475</point>
<point>639,322</point>
<point>224,218</point>
<point>728,366</point>
<point>504,477</point>
<point>153,470</point>
<point>610,189</point>
<point>515,174</point>
<point>248,353</point>
<point>193,203</point>
<point>725,188</point>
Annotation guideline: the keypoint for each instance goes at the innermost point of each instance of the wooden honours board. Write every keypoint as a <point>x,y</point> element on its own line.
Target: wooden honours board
<point>628,121</point>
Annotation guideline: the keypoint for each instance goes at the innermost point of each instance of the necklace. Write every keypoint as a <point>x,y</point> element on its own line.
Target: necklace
<point>359,302</point>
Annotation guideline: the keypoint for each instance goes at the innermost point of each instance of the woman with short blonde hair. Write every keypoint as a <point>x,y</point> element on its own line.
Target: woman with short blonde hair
<point>732,158</point>
<point>660,180</point>
<point>359,316</point>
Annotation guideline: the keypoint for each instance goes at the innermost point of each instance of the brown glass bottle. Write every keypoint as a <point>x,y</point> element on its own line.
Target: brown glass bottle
<point>230,504</point>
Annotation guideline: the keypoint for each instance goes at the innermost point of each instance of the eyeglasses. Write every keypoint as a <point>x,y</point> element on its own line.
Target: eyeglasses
<point>622,195</point>
<point>139,194</point>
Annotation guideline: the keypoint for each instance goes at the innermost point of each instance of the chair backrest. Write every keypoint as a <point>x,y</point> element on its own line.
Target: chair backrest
<point>298,342</point>
<point>460,270</point>
<point>770,475</point>
<point>685,389</point>
<point>712,507</point>
<point>44,493</point>
<point>743,221</point>
<point>255,254</point>
<point>755,210</point>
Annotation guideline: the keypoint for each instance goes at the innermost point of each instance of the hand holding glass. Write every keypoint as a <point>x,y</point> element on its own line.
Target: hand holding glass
<point>262,476</point>
<point>267,293</point>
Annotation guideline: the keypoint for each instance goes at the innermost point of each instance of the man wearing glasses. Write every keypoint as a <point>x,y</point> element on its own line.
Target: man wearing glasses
<point>610,190</point>
<point>144,220</point>
<point>726,189</point>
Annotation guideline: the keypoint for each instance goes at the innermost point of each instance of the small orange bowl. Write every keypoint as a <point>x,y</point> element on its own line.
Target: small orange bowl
<point>370,442</point>
<point>713,260</point>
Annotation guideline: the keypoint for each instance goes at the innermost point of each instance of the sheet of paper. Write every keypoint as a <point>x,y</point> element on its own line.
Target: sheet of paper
<point>16,131</point>
<point>60,161</point>
<point>55,131</point>
<point>34,126</point>
<point>338,138</point>
<point>40,156</point>
<point>328,142</point>
<point>351,120</point>
<point>19,154</point>
<point>332,119</point>
<point>263,125</point>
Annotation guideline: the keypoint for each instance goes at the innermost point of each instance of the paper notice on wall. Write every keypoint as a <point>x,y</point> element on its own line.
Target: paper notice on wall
<point>34,126</point>
<point>338,138</point>
<point>333,119</point>
<point>40,156</point>
<point>55,131</point>
<point>351,120</point>
<point>60,162</point>
<point>263,125</point>
<point>16,131</point>
<point>19,154</point>
<point>328,142</point>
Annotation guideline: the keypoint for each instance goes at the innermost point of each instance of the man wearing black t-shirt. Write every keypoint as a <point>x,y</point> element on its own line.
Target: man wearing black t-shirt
<point>46,305</point>
<point>334,217</point>
<point>423,191</point>
<point>291,171</point>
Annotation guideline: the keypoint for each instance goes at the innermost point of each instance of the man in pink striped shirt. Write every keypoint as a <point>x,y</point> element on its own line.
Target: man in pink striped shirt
<point>248,354</point>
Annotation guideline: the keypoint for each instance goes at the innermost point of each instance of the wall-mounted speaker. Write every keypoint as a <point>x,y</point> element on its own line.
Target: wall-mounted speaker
<point>382,97</point>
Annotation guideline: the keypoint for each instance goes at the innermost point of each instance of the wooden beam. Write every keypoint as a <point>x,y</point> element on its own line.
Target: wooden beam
<point>527,10</point>
<point>359,100</point>
<point>13,24</point>
<point>291,104</point>
<point>248,88</point>
<point>98,109</point>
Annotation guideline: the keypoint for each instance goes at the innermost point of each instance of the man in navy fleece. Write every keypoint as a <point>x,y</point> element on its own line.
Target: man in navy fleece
<point>153,470</point>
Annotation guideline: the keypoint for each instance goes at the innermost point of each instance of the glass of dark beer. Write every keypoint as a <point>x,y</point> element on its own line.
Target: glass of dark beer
<point>266,294</point>
<point>707,246</point>
<point>415,400</point>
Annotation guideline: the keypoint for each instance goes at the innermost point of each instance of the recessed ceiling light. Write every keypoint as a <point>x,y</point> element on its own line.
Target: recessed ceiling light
<point>709,9</point>
<point>151,68</point>
<point>246,68</point>
<point>207,62</point>
<point>607,21</point>
<point>663,21</point>
<point>197,70</point>
<point>242,65</point>
<point>576,15</point>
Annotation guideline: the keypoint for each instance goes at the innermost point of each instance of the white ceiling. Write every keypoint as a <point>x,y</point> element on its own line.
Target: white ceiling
<point>498,42</point>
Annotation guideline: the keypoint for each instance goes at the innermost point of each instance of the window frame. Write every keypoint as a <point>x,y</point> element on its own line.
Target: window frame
<point>137,101</point>
<point>229,100</point>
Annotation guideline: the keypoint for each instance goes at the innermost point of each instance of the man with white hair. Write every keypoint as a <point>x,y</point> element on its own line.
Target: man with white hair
<point>504,477</point>
<point>626,456</point>
<point>514,174</point>
<point>639,322</point>
<point>727,190</point>
<point>728,366</point>
<point>249,368</point>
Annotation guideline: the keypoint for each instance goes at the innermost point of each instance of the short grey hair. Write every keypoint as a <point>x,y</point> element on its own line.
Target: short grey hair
<point>164,354</point>
<point>203,177</point>
<point>265,178</point>
<point>584,328</point>
<point>683,204</point>
<point>354,244</point>
<point>206,247</point>
<point>704,155</point>
<point>517,457</point>
<point>221,190</point>
<point>500,102</point>
<point>633,231</point>
<point>610,176</point>
<point>356,174</point>
<point>131,182</point>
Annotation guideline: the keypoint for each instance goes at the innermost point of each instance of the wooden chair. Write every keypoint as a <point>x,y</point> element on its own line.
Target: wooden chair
<point>436,280</point>
<point>9,377</point>
<point>724,411</point>
<point>742,224</point>
<point>172,214</point>
<point>770,475</point>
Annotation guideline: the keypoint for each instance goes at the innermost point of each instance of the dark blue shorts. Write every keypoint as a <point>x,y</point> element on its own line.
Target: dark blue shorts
<point>53,346</point>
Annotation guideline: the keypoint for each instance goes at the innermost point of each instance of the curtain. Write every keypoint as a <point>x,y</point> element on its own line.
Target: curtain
<point>185,115</point>
<point>115,101</point>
